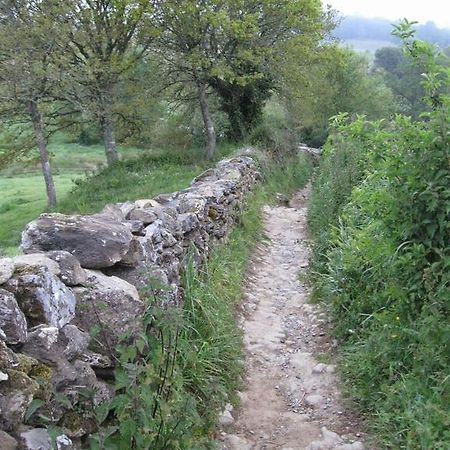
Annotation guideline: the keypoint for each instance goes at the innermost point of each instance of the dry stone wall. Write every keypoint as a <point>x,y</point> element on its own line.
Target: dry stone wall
<point>84,273</point>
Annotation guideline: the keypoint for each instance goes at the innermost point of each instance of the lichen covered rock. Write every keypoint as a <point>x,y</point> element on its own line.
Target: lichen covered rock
<point>12,319</point>
<point>42,297</point>
<point>107,308</point>
<point>50,345</point>
<point>97,241</point>
<point>16,395</point>
<point>33,261</point>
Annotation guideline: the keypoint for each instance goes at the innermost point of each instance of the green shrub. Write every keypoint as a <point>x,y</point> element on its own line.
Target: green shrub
<point>383,266</point>
<point>274,132</point>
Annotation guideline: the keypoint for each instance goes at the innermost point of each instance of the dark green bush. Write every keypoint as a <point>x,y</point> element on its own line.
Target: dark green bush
<point>274,133</point>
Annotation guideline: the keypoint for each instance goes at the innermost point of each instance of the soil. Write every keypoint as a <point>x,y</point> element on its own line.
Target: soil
<point>292,398</point>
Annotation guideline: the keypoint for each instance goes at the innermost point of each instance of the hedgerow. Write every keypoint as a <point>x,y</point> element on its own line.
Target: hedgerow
<point>380,215</point>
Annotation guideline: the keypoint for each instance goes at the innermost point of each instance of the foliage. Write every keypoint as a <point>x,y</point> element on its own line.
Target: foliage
<point>274,134</point>
<point>403,77</point>
<point>332,81</point>
<point>243,104</point>
<point>383,269</point>
<point>111,70</point>
<point>343,166</point>
<point>103,41</point>
<point>232,47</point>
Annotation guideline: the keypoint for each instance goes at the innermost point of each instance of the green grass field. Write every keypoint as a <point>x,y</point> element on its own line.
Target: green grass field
<point>84,186</point>
<point>23,199</point>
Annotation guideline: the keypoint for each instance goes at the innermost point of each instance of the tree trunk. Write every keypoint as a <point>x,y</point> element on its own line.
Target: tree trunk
<point>38,125</point>
<point>208,122</point>
<point>108,127</point>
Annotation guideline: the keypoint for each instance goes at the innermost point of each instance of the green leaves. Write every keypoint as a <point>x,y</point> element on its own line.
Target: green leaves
<point>34,406</point>
<point>235,48</point>
<point>380,214</point>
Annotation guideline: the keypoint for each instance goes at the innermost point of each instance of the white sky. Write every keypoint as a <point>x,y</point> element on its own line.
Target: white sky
<point>422,11</point>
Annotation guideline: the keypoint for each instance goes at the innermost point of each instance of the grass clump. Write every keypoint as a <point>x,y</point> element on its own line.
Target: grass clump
<point>381,265</point>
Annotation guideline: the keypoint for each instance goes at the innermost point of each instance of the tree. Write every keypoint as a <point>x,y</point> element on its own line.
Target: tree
<point>403,77</point>
<point>28,47</point>
<point>242,103</point>
<point>106,39</point>
<point>253,60</point>
<point>232,47</point>
<point>184,49</point>
<point>334,80</point>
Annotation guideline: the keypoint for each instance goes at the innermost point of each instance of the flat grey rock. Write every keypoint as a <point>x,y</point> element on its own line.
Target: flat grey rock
<point>97,241</point>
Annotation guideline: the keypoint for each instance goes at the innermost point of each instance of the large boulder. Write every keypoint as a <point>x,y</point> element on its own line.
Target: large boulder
<point>97,241</point>
<point>107,308</point>
<point>12,319</point>
<point>42,297</point>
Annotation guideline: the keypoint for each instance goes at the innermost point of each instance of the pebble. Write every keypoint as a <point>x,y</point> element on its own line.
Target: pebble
<point>314,400</point>
<point>319,368</point>
<point>225,419</point>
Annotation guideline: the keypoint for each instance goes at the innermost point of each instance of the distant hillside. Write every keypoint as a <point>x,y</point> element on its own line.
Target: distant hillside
<point>369,34</point>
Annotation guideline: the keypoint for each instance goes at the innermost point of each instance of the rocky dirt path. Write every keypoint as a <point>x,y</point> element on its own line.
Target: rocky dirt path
<point>292,399</point>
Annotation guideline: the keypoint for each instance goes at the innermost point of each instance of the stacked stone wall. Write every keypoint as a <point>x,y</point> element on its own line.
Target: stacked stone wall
<point>77,288</point>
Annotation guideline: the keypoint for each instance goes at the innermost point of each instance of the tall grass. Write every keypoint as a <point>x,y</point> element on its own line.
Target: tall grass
<point>381,266</point>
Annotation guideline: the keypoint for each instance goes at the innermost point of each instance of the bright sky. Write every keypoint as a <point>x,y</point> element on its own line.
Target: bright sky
<point>437,11</point>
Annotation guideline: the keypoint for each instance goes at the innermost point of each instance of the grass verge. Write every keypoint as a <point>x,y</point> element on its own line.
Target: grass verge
<point>381,267</point>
